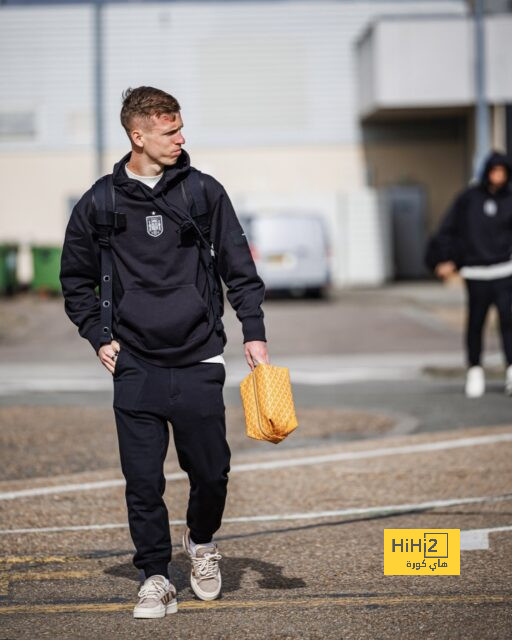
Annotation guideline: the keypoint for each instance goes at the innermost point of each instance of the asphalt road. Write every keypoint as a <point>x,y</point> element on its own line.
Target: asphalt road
<point>381,444</point>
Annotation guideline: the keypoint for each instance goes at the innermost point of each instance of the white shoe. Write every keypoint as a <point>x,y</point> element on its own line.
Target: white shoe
<point>475,382</point>
<point>508,381</point>
<point>157,597</point>
<point>205,578</point>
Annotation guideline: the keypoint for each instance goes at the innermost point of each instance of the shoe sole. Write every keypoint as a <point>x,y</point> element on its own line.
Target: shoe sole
<point>474,395</point>
<point>171,607</point>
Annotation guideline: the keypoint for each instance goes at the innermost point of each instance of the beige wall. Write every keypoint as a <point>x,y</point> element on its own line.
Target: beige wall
<point>281,170</point>
<point>327,179</point>
<point>35,192</point>
<point>285,169</point>
<point>439,166</point>
<point>499,127</point>
<point>322,179</point>
<point>35,211</point>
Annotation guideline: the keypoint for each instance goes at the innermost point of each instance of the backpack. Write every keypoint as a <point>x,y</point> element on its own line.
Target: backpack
<point>196,225</point>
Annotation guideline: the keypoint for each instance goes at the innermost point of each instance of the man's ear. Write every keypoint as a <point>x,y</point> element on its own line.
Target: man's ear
<point>136,136</point>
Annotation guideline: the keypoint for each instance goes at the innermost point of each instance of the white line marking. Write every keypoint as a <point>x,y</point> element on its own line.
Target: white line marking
<point>311,515</point>
<point>426,447</point>
<point>19,377</point>
<point>282,463</point>
<point>475,539</point>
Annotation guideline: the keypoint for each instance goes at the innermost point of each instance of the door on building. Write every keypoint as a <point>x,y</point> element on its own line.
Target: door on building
<point>407,206</point>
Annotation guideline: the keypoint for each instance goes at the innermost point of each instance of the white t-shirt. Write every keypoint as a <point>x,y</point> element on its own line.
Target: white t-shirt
<point>151,182</point>
<point>488,272</point>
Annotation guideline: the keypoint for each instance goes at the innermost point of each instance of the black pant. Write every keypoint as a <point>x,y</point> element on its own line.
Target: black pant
<point>145,398</point>
<point>481,295</point>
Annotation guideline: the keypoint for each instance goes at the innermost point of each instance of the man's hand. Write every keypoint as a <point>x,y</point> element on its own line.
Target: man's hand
<point>108,355</point>
<point>256,353</point>
<point>446,270</point>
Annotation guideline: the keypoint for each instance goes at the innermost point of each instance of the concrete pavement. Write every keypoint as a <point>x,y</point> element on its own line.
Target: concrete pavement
<point>302,545</point>
<point>381,444</point>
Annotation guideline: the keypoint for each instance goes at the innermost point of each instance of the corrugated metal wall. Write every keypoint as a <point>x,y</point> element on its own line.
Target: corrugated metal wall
<point>46,70</point>
<point>246,73</point>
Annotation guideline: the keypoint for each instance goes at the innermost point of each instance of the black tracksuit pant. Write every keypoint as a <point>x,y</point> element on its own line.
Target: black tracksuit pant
<point>481,295</point>
<point>145,398</point>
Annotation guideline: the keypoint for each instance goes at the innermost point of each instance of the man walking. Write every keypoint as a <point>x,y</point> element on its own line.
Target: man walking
<point>475,239</point>
<point>164,347</point>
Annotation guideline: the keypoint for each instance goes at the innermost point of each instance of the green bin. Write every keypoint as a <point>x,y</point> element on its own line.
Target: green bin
<point>46,261</point>
<point>8,267</point>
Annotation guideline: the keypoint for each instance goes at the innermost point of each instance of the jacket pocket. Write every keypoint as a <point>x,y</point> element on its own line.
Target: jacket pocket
<point>163,317</point>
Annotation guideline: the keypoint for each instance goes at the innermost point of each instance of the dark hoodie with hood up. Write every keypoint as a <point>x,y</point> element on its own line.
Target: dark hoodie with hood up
<point>162,310</point>
<point>477,229</point>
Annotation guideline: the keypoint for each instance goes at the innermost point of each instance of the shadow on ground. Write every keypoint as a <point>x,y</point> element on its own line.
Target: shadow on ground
<point>233,569</point>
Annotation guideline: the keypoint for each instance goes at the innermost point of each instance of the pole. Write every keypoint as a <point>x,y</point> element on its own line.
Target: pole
<point>482,119</point>
<point>98,87</point>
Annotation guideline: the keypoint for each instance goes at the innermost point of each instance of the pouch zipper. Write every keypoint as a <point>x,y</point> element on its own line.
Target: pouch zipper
<point>257,404</point>
<point>262,431</point>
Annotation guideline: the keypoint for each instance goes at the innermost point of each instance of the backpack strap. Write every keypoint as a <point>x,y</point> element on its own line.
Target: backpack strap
<point>194,196</point>
<point>193,192</point>
<point>104,205</point>
<point>106,220</point>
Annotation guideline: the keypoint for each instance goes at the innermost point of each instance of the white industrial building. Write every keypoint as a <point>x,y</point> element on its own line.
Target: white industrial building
<point>336,107</point>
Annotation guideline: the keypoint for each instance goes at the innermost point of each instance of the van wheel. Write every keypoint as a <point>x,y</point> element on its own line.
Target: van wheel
<point>318,293</point>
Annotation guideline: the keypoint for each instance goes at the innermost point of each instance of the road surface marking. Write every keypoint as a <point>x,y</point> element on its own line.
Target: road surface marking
<point>282,463</point>
<point>7,576</point>
<point>39,559</point>
<point>16,377</point>
<point>50,575</point>
<point>436,599</point>
<point>311,515</point>
<point>470,540</point>
<point>476,539</point>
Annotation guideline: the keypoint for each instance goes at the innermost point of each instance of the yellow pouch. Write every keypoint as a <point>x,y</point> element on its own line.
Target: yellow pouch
<point>268,403</point>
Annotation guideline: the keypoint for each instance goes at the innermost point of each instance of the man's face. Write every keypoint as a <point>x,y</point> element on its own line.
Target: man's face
<point>498,176</point>
<point>160,138</point>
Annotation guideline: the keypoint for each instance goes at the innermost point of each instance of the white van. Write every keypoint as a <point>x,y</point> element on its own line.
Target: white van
<point>291,252</point>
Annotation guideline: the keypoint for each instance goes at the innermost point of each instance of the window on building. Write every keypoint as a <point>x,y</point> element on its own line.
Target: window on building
<point>17,125</point>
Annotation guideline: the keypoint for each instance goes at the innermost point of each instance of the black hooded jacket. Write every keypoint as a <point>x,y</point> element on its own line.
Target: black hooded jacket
<point>161,305</point>
<point>477,228</point>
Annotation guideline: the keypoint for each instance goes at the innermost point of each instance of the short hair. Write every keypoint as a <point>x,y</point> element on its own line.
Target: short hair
<point>144,102</point>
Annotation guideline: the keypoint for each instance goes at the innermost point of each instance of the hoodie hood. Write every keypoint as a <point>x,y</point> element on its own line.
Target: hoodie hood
<point>494,159</point>
<point>136,190</point>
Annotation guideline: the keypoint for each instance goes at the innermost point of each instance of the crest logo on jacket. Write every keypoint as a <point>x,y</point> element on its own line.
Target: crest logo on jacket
<point>490,208</point>
<point>154,225</point>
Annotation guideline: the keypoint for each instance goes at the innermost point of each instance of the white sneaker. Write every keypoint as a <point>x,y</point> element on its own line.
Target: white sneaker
<point>508,381</point>
<point>475,382</point>
<point>157,597</point>
<point>205,578</point>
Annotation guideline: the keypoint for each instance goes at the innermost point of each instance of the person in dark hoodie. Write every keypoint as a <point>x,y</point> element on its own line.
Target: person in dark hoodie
<point>165,347</point>
<point>475,240</point>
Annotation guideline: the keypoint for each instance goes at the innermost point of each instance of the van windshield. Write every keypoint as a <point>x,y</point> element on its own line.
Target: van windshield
<point>291,231</point>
